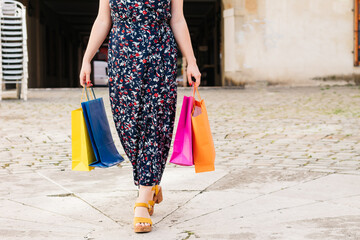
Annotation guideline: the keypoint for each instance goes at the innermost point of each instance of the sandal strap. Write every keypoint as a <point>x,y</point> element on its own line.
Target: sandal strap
<point>151,202</point>
<point>142,220</point>
<point>156,188</point>
<point>141,204</point>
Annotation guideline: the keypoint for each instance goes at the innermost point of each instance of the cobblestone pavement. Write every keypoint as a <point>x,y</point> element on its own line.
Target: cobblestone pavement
<point>315,128</point>
<point>287,167</point>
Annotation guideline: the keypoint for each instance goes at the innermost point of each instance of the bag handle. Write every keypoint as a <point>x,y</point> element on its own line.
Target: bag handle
<point>87,94</point>
<point>195,88</point>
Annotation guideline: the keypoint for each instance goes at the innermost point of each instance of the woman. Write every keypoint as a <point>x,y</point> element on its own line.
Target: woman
<point>142,67</point>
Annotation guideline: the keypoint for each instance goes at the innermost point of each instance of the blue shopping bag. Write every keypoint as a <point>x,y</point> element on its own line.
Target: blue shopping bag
<point>99,132</point>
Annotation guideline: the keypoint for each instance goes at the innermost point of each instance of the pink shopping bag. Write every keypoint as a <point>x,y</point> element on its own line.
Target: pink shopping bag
<point>182,149</point>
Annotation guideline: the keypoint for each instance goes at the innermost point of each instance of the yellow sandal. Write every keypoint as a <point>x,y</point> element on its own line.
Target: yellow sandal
<point>158,197</point>
<point>139,229</point>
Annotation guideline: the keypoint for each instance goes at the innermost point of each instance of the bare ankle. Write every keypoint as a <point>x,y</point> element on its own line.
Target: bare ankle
<point>145,193</point>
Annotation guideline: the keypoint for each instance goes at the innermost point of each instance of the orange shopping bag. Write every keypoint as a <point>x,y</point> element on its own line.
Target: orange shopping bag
<point>203,144</point>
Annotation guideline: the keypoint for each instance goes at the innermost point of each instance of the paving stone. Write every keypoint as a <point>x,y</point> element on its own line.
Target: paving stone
<point>297,130</point>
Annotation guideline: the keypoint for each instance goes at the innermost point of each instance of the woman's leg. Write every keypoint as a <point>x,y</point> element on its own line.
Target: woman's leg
<point>144,195</point>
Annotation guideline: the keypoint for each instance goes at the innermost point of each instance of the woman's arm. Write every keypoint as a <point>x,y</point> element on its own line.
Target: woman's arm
<point>182,36</point>
<point>99,32</point>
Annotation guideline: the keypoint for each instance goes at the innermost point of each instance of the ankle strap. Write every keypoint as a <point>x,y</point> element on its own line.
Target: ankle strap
<point>156,188</point>
<point>141,204</point>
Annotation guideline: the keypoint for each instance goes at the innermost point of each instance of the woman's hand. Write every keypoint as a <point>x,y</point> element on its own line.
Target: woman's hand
<point>193,70</point>
<point>85,74</point>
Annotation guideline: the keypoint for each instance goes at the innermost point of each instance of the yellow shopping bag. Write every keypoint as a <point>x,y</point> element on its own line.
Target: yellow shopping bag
<point>82,152</point>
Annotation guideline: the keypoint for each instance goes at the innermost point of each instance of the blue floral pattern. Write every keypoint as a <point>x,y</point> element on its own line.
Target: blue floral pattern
<point>142,57</point>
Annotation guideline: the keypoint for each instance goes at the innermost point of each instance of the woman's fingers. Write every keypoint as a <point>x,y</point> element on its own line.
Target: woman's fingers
<point>193,71</point>
<point>82,78</point>
<point>87,78</point>
<point>198,78</point>
<point>189,78</point>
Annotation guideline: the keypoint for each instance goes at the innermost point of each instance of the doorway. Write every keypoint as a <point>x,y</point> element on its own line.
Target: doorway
<point>203,19</point>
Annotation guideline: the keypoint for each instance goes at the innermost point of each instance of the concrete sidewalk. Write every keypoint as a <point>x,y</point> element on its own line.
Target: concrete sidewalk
<point>287,167</point>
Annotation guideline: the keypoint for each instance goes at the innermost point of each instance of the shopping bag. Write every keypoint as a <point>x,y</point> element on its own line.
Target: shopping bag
<point>81,148</point>
<point>182,147</point>
<point>99,131</point>
<point>203,144</point>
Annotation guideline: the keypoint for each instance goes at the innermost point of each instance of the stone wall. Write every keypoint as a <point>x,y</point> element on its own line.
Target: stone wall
<point>287,41</point>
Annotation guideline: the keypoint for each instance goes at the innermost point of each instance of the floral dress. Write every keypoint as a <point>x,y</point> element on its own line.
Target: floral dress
<point>142,70</point>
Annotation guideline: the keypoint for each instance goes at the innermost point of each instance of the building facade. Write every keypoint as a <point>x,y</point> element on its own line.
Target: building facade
<point>290,41</point>
<point>236,42</point>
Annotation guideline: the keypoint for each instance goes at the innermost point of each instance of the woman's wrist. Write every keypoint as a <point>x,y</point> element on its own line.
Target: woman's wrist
<point>191,61</point>
<point>86,58</point>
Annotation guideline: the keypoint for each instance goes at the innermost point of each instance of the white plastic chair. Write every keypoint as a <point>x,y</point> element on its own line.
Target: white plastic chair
<point>13,47</point>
